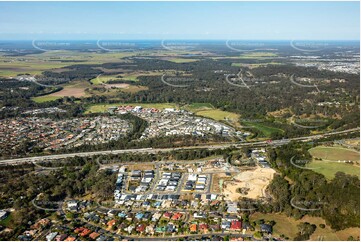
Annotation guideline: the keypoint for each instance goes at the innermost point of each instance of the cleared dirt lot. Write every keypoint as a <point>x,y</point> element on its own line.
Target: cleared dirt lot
<point>70,91</point>
<point>218,181</point>
<point>140,167</point>
<point>117,85</point>
<point>255,181</point>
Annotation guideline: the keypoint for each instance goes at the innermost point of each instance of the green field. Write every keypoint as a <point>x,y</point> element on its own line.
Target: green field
<point>217,114</point>
<point>134,89</point>
<point>104,79</point>
<point>35,64</point>
<point>334,153</point>
<point>130,77</point>
<point>133,76</point>
<point>242,64</point>
<point>288,227</point>
<point>330,164</point>
<point>257,55</point>
<point>267,131</point>
<point>196,107</point>
<point>42,99</point>
<point>329,168</point>
<point>209,111</point>
<point>250,55</point>
<point>33,67</point>
<point>6,222</point>
<point>101,108</point>
<point>255,65</point>
<point>284,225</point>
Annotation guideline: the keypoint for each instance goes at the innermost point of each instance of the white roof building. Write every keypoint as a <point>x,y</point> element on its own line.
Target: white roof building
<point>192,177</point>
<point>51,236</point>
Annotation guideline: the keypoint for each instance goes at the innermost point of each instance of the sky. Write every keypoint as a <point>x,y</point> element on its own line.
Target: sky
<point>180,20</point>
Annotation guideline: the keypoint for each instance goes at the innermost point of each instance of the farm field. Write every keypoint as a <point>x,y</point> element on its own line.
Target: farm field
<point>113,89</point>
<point>70,92</point>
<point>84,57</point>
<point>177,53</point>
<point>181,60</point>
<point>35,64</point>
<point>75,89</point>
<point>332,161</point>
<point>257,55</point>
<point>131,76</point>
<point>218,115</point>
<point>43,99</point>
<point>36,67</point>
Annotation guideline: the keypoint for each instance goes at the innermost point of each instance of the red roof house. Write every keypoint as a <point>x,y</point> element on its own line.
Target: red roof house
<point>167,215</point>
<point>140,228</point>
<point>203,227</point>
<point>85,232</point>
<point>236,225</point>
<point>176,216</point>
<point>94,235</point>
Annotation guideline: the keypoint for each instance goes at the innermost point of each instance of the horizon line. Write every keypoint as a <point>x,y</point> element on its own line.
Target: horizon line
<point>179,39</point>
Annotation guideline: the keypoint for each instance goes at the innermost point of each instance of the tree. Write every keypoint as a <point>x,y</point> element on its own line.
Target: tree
<point>305,230</point>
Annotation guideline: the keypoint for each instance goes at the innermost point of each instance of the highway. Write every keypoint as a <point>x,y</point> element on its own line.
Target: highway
<point>151,150</point>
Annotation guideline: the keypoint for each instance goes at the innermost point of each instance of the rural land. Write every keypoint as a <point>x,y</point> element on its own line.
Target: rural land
<point>151,143</point>
<point>180,121</point>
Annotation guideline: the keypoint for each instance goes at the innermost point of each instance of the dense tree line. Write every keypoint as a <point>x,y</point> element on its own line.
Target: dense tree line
<point>337,201</point>
<point>19,190</point>
<point>76,72</point>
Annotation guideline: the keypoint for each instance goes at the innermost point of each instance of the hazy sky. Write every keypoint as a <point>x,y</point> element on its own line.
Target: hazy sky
<point>181,20</point>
